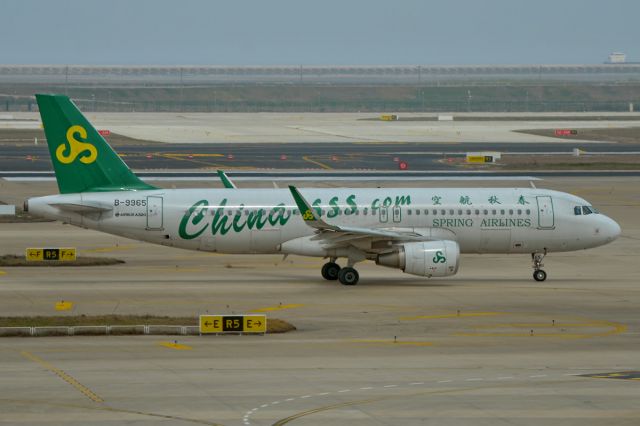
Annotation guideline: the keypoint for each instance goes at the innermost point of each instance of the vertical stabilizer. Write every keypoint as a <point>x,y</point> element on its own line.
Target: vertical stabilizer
<point>82,159</point>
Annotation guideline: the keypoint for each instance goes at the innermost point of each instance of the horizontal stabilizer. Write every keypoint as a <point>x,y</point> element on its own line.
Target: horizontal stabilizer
<point>83,208</point>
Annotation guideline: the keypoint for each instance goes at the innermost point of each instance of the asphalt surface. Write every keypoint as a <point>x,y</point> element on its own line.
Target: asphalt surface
<point>351,156</point>
<point>487,346</point>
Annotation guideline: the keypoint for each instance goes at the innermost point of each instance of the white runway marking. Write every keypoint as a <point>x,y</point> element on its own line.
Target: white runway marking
<point>248,414</point>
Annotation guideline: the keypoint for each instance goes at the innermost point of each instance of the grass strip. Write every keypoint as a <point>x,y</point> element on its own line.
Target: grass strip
<point>274,325</point>
<point>8,260</point>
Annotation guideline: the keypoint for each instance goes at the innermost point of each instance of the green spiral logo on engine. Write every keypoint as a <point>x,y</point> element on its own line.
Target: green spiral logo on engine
<point>439,257</point>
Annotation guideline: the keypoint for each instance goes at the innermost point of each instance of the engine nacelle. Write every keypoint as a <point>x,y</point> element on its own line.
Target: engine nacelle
<point>426,259</point>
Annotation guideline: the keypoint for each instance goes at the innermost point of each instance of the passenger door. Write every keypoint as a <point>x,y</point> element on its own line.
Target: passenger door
<point>546,219</point>
<point>154,213</point>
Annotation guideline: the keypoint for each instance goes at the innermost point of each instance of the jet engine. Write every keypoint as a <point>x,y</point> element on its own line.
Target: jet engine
<point>426,259</point>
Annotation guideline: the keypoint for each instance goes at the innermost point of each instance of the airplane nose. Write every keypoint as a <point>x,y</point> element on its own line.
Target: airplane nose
<point>611,229</point>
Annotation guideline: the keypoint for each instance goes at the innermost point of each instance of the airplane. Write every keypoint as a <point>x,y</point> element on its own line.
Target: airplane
<point>421,231</point>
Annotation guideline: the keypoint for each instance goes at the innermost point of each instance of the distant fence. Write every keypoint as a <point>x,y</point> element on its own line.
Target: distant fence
<point>328,74</point>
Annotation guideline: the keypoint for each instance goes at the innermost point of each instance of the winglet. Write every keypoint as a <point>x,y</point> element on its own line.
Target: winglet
<point>309,215</point>
<point>226,181</point>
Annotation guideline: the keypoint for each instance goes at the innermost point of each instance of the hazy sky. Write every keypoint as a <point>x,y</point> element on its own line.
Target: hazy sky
<point>267,32</point>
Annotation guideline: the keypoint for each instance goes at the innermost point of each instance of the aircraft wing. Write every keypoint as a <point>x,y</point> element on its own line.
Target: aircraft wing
<point>226,182</point>
<point>335,235</point>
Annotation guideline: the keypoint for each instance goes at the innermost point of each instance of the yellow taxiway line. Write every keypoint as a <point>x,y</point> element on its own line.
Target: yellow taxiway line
<point>456,315</point>
<point>64,376</point>
<point>175,345</point>
<point>317,163</point>
<point>277,308</point>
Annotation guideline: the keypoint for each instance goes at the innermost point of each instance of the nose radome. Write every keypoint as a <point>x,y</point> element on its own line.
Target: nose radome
<point>612,229</point>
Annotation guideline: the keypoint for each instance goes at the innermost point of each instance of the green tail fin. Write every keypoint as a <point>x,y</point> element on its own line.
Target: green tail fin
<point>82,159</point>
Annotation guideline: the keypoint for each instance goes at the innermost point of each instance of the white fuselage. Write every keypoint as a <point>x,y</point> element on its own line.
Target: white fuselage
<point>493,220</point>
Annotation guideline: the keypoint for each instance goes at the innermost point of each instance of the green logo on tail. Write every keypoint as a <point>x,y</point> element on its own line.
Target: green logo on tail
<point>76,147</point>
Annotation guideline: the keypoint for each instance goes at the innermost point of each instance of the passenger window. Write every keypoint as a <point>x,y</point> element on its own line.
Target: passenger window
<point>519,212</point>
<point>511,212</point>
<point>468,212</point>
<point>477,212</point>
<point>443,212</point>
<point>485,212</point>
<point>451,212</point>
<point>459,212</point>
<point>417,211</point>
<point>365,211</point>
<point>435,212</point>
<point>494,212</point>
<point>528,212</point>
<point>502,212</point>
<point>426,211</point>
<point>409,212</point>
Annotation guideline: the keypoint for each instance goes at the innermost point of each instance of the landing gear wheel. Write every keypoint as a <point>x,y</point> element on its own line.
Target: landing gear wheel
<point>539,275</point>
<point>348,276</point>
<point>330,271</point>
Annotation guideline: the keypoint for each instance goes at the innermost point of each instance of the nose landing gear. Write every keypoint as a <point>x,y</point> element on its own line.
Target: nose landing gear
<point>538,273</point>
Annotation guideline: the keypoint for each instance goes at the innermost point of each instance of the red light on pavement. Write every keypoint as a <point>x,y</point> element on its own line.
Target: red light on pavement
<point>403,165</point>
<point>566,132</point>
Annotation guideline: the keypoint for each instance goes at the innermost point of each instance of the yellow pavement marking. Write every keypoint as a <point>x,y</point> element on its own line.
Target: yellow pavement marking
<point>170,269</point>
<point>113,248</point>
<point>317,163</point>
<point>547,325</point>
<point>456,315</point>
<point>277,308</point>
<point>394,342</point>
<point>64,376</point>
<point>175,345</point>
<point>3,273</point>
<point>193,155</point>
<point>622,375</point>
<point>190,160</point>
<point>63,305</point>
<point>614,328</point>
<point>380,143</point>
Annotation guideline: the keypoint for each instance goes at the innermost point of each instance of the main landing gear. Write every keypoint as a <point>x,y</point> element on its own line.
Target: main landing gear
<point>347,276</point>
<point>538,273</point>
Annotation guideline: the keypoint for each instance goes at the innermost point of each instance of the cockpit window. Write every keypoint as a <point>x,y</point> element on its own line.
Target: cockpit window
<point>586,210</point>
<point>577,210</point>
